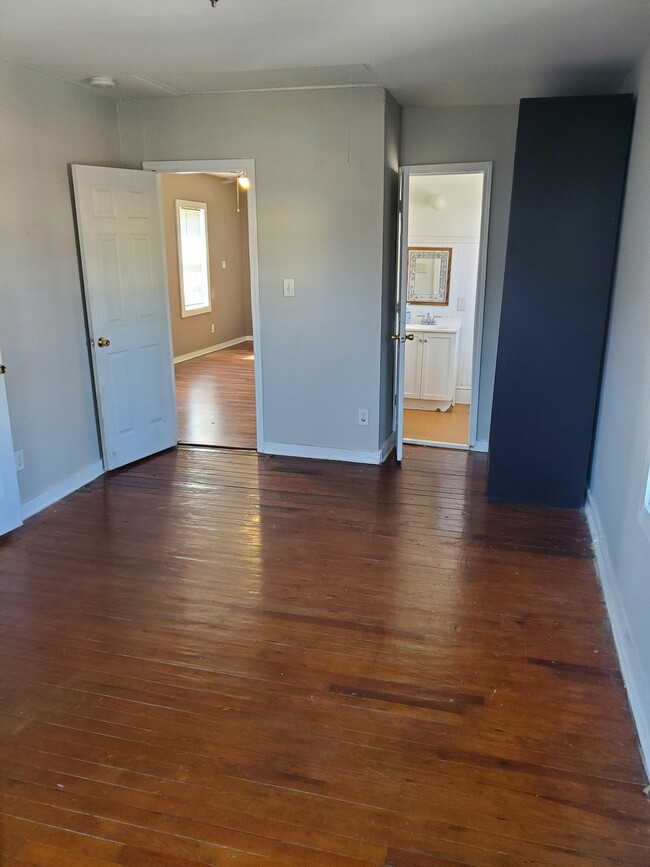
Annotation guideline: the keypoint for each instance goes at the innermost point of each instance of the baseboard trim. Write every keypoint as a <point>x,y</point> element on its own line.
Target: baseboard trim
<point>436,444</point>
<point>633,677</point>
<point>294,450</point>
<point>480,446</point>
<point>58,492</point>
<point>388,446</point>
<point>208,349</point>
<point>464,394</point>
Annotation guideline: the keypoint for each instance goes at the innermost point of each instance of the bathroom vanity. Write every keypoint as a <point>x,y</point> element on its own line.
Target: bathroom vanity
<point>431,365</point>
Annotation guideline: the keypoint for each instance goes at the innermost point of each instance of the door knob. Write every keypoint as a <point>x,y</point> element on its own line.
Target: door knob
<point>397,337</point>
<point>3,369</point>
<point>102,342</point>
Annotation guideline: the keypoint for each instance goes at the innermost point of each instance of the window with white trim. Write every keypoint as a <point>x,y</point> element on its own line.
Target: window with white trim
<point>193,259</point>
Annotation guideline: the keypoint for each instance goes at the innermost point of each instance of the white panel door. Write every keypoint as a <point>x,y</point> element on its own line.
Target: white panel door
<point>437,363</point>
<point>413,367</point>
<point>10,511</point>
<point>122,253</point>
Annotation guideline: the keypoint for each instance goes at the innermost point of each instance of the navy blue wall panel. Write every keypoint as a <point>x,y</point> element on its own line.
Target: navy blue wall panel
<point>568,186</point>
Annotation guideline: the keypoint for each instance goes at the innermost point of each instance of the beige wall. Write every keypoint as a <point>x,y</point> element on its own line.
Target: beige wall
<point>228,240</point>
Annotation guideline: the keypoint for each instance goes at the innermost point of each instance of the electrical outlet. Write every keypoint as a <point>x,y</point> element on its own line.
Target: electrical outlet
<point>212,328</point>
<point>461,305</point>
<point>223,264</point>
<point>288,287</point>
<point>363,417</point>
<point>20,460</point>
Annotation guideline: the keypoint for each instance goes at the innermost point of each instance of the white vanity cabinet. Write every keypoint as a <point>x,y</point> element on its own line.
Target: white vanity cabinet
<point>430,367</point>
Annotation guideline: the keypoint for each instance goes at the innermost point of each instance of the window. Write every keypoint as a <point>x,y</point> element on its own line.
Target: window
<point>193,263</point>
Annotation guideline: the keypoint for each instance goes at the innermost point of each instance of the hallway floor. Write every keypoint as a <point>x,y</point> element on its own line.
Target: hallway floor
<point>216,398</point>
<point>216,657</point>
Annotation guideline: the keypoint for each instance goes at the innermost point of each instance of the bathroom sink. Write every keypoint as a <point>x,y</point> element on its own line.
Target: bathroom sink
<point>449,325</point>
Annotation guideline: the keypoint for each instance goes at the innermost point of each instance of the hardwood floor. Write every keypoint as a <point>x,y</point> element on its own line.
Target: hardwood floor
<point>222,658</point>
<point>216,398</point>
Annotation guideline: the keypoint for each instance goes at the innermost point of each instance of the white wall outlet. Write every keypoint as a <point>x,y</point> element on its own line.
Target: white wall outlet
<point>223,264</point>
<point>212,328</point>
<point>289,287</point>
<point>363,417</point>
<point>462,304</point>
<point>20,460</point>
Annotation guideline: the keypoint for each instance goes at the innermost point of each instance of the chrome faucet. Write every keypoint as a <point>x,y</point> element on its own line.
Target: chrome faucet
<point>429,320</point>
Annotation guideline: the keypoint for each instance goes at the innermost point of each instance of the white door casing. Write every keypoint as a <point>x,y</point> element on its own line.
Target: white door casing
<point>400,310</point>
<point>10,511</point>
<point>406,172</point>
<point>125,285</point>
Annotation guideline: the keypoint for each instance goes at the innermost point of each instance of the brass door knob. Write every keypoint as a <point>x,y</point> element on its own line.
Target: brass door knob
<point>409,337</point>
<point>103,341</point>
<point>397,337</point>
<point>3,369</point>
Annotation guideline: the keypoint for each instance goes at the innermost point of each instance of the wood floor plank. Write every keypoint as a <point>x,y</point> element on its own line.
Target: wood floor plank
<point>215,394</point>
<point>218,657</point>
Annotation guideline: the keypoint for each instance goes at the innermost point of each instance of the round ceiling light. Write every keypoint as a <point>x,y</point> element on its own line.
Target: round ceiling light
<point>101,81</point>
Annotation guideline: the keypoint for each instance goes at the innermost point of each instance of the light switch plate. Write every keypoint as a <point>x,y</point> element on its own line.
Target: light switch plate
<point>461,305</point>
<point>289,287</point>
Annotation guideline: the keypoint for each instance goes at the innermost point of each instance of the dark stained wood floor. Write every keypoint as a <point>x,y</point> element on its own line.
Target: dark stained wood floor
<point>216,398</point>
<point>223,658</point>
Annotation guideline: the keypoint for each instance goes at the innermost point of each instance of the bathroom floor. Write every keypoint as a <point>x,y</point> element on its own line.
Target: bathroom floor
<point>441,427</point>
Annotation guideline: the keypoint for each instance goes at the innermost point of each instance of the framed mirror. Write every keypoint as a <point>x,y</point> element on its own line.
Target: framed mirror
<point>429,272</point>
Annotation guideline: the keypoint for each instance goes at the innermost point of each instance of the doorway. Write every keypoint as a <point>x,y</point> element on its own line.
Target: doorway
<point>209,226</point>
<point>440,311</point>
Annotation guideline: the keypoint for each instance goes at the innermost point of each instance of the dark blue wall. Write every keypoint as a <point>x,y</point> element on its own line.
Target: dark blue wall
<point>568,187</point>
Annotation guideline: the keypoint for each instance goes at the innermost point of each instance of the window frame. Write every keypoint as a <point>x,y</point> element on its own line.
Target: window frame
<point>194,206</point>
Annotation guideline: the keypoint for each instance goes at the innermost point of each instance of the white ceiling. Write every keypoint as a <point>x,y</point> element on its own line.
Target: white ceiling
<point>424,51</point>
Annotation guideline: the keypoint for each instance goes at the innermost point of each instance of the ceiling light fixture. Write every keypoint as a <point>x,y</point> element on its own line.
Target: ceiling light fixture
<point>101,81</point>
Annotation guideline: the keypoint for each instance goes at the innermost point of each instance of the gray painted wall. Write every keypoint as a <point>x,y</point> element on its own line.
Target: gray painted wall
<point>622,451</point>
<point>226,238</point>
<point>320,207</point>
<point>45,126</point>
<point>470,134</point>
<point>392,135</point>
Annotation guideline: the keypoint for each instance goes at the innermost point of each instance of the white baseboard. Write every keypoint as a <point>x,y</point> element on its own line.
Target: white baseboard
<point>638,690</point>
<point>208,349</point>
<point>480,446</point>
<point>293,450</point>
<point>388,446</point>
<point>58,492</point>
<point>463,394</point>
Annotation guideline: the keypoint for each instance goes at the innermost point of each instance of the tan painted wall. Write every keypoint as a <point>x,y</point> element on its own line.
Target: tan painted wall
<point>228,240</point>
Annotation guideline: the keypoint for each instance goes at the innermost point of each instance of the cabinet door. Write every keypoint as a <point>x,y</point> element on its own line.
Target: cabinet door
<point>413,366</point>
<point>437,367</point>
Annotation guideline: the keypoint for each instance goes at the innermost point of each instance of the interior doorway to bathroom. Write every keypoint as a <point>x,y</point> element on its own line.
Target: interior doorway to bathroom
<point>442,268</point>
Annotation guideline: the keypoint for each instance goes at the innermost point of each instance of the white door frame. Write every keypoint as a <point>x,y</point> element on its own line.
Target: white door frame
<point>484,168</point>
<point>247,166</point>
